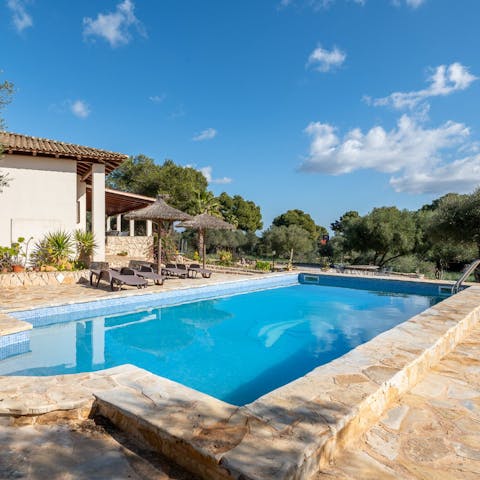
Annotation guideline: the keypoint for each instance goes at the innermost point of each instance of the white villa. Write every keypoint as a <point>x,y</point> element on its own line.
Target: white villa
<point>53,184</point>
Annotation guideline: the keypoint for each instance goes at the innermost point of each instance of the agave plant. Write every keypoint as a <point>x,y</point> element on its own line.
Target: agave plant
<point>54,249</point>
<point>59,246</point>
<point>85,243</point>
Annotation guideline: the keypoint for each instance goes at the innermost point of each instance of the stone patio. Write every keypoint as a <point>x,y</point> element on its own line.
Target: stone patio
<point>79,451</point>
<point>22,298</point>
<point>431,433</point>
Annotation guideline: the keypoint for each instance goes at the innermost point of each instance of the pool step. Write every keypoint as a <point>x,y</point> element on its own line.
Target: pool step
<point>188,427</point>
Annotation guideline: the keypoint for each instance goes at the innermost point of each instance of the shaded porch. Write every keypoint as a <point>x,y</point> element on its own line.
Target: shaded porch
<point>132,239</point>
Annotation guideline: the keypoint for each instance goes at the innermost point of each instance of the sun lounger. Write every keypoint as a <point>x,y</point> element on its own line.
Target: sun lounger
<point>194,269</point>
<point>182,267</point>
<point>172,270</point>
<point>149,274</point>
<point>126,276</point>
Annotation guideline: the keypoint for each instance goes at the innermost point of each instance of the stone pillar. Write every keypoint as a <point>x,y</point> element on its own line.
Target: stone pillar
<point>98,210</point>
<point>131,225</point>
<point>119,222</point>
<point>149,228</point>
<point>109,224</point>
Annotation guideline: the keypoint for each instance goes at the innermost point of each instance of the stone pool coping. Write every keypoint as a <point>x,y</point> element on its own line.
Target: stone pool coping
<point>288,433</point>
<point>145,292</point>
<point>10,325</point>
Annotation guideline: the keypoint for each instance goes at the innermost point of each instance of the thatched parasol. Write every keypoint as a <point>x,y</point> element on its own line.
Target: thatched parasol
<point>204,222</point>
<point>159,212</point>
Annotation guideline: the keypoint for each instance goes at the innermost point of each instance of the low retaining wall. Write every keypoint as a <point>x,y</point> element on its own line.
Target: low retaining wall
<point>137,247</point>
<point>27,279</point>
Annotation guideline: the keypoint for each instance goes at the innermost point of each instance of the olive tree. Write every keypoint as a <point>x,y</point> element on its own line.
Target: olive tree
<point>286,240</point>
<point>385,233</point>
<point>457,218</point>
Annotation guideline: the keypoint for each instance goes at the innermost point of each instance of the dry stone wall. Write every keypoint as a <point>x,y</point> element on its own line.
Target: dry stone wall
<point>27,279</point>
<point>137,247</point>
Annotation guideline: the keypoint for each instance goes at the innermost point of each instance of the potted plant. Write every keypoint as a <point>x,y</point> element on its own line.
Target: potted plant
<point>19,254</point>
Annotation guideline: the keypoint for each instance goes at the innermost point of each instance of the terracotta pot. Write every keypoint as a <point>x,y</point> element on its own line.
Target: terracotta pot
<point>18,268</point>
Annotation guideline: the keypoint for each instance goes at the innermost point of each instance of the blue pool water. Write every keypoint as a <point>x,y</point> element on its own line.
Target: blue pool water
<point>235,348</point>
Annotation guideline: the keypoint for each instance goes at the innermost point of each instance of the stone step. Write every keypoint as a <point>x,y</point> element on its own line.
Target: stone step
<point>188,427</point>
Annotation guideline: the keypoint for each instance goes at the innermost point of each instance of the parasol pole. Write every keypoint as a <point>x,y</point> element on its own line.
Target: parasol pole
<point>204,248</point>
<point>159,259</point>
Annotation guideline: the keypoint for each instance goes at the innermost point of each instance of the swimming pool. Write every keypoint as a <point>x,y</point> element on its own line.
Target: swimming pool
<point>235,348</point>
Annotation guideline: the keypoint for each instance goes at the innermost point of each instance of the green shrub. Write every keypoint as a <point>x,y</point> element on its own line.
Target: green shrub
<point>263,266</point>
<point>79,265</point>
<point>411,264</point>
<point>225,258</point>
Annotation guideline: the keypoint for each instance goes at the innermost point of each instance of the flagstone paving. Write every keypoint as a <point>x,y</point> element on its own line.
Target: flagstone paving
<point>432,433</point>
<point>83,451</point>
<point>20,298</point>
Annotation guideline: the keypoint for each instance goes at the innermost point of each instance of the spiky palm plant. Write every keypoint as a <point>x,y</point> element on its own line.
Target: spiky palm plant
<point>59,246</point>
<point>85,243</point>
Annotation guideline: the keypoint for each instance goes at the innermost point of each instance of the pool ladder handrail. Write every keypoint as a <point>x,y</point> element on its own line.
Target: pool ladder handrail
<point>471,268</point>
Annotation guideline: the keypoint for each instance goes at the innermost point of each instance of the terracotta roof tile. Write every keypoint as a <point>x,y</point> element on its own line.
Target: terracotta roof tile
<point>17,143</point>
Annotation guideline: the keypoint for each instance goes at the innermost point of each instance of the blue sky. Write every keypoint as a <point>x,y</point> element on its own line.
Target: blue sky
<point>322,105</point>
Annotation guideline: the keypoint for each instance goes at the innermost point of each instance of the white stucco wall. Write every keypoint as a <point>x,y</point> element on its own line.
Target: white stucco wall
<point>42,197</point>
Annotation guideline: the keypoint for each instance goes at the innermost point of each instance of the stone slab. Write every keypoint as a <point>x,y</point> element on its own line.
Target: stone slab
<point>10,325</point>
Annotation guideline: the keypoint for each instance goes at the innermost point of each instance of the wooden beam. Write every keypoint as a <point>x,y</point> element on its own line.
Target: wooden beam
<point>84,178</point>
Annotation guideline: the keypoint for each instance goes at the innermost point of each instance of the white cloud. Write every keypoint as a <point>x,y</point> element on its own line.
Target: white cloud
<point>207,173</point>
<point>158,98</point>
<point>423,158</point>
<point>444,80</point>
<point>461,175</point>
<point>114,27</point>
<point>414,3</point>
<point>80,109</point>
<point>324,60</point>
<point>315,5</point>
<point>207,134</point>
<point>21,19</point>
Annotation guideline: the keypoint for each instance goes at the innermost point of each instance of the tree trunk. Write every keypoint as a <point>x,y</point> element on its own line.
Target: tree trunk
<point>391,258</point>
<point>381,262</point>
